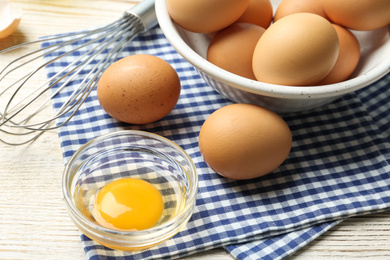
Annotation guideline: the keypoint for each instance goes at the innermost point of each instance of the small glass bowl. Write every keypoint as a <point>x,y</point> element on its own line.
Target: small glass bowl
<point>131,154</point>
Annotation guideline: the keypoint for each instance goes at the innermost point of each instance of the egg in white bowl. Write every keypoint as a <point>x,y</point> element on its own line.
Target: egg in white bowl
<point>374,63</point>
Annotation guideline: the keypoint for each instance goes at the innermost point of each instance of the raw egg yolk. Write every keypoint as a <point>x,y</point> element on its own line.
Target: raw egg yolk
<point>128,204</point>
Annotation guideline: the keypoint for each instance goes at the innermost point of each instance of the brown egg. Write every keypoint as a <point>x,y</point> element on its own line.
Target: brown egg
<point>362,15</point>
<point>258,12</point>
<point>287,7</point>
<point>204,16</point>
<point>298,50</point>
<point>10,16</point>
<point>244,141</point>
<point>139,89</point>
<point>232,48</point>
<point>348,58</point>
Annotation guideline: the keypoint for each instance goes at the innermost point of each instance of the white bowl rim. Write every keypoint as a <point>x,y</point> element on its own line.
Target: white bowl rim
<point>256,87</point>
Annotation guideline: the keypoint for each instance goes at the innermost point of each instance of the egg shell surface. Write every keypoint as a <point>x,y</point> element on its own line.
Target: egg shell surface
<point>298,50</point>
<point>244,141</point>
<point>10,16</point>
<point>348,58</point>
<point>287,7</point>
<point>205,16</point>
<point>232,48</point>
<point>364,15</point>
<point>258,12</point>
<point>139,89</point>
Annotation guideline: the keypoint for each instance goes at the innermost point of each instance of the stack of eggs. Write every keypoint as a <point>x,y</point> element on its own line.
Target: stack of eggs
<point>291,43</point>
<point>302,43</point>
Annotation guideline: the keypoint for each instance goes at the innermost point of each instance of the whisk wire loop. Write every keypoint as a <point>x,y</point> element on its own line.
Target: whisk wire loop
<point>21,113</point>
<point>90,55</point>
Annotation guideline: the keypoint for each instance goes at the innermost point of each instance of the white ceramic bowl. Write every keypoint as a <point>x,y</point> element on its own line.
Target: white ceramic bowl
<point>374,64</point>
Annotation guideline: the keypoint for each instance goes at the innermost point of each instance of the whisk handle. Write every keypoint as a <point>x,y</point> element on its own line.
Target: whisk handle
<point>145,11</point>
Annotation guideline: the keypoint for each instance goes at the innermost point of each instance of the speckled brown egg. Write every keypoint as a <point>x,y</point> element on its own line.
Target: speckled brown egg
<point>139,89</point>
<point>244,141</point>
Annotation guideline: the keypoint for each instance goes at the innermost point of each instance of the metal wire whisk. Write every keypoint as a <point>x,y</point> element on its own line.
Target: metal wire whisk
<point>24,121</point>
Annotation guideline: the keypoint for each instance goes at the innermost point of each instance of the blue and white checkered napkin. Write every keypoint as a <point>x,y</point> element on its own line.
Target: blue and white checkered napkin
<point>339,167</point>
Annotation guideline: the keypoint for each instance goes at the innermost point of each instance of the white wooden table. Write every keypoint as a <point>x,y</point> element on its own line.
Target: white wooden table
<point>33,220</point>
